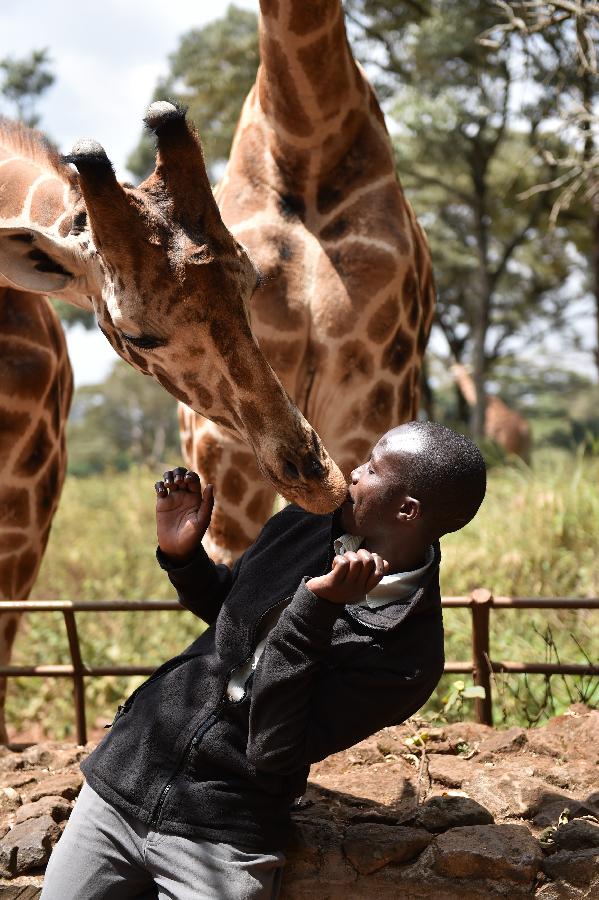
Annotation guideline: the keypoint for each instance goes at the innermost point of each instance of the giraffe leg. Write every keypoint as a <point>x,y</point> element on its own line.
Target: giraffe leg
<point>243,499</point>
<point>35,394</point>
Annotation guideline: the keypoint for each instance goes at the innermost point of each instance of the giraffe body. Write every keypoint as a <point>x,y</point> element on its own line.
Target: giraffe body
<point>35,395</point>
<point>503,425</point>
<point>346,301</point>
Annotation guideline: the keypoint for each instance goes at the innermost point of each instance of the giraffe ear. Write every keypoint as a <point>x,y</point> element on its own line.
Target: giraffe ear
<point>34,261</point>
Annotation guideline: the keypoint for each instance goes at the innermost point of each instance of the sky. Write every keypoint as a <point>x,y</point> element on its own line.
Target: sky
<point>107,58</point>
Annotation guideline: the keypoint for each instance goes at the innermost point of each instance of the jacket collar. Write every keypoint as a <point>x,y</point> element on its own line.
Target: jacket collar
<point>391,616</point>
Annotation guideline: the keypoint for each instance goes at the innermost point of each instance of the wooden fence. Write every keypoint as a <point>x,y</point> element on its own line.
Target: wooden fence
<point>480,667</point>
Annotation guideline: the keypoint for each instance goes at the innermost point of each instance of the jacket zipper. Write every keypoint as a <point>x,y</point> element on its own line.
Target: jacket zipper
<point>205,725</point>
<point>123,708</point>
<point>209,722</point>
<point>201,731</point>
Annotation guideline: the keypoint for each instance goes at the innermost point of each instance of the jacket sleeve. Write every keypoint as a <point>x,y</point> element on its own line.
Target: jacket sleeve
<point>303,709</point>
<point>201,584</point>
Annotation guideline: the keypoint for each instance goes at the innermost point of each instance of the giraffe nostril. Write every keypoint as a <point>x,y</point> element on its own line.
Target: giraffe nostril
<point>312,466</point>
<point>290,470</point>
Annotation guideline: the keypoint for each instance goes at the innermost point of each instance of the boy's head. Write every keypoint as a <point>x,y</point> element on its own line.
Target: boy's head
<point>421,477</point>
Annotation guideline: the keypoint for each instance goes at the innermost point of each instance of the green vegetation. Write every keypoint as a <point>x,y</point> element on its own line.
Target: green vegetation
<point>125,421</point>
<point>23,81</point>
<point>536,534</point>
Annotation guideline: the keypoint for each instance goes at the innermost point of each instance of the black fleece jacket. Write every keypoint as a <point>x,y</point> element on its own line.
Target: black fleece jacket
<point>184,759</point>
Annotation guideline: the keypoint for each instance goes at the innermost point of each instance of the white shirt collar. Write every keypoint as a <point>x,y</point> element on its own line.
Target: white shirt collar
<point>390,588</point>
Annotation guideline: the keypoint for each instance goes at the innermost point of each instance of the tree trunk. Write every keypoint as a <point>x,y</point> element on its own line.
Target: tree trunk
<point>483,312</point>
<point>427,397</point>
<point>595,263</point>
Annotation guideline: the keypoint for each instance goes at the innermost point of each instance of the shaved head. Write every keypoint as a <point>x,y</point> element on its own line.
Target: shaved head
<point>442,469</point>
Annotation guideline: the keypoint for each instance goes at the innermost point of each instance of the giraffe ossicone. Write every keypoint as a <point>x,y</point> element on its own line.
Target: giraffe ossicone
<point>160,111</point>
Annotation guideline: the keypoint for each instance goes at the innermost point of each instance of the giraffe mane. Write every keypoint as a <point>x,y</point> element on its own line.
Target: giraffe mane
<point>32,144</point>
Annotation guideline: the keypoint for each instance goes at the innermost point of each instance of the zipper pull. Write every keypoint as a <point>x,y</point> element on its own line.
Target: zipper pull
<point>118,714</point>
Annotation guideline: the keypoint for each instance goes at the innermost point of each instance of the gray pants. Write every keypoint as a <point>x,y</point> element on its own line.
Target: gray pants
<point>104,854</point>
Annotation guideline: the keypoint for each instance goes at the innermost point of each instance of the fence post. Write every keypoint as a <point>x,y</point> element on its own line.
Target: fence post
<point>78,680</point>
<point>482,601</point>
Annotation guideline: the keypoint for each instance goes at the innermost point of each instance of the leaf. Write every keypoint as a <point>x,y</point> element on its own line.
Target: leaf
<point>475,690</point>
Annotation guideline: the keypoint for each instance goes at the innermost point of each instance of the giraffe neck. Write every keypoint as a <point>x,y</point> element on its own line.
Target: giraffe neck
<point>309,86</point>
<point>465,383</point>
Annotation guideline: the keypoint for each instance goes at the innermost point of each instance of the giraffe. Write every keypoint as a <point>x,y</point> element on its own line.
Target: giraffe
<point>168,283</point>
<point>169,286</point>
<point>346,298</point>
<point>35,394</point>
<point>505,426</point>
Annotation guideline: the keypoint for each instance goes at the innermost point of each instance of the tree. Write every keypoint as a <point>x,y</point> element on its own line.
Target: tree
<point>559,41</point>
<point>211,72</point>
<point>127,419</point>
<point>24,81</point>
<point>466,154</point>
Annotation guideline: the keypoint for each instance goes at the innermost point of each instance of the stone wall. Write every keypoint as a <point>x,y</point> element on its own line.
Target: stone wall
<point>461,813</point>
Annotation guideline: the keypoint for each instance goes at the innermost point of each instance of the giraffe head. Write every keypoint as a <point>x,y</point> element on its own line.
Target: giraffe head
<point>170,288</point>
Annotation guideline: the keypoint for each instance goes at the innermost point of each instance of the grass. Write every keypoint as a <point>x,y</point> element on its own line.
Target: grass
<point>536,535</point>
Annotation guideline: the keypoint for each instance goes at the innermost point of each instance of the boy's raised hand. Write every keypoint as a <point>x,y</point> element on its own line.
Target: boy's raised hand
<point>353,575</point>
<point>183,513</point>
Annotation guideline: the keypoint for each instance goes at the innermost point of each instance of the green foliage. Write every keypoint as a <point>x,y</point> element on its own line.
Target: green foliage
<point>211,72</point>
<point>24,81</point>
<point>467,137</point>
<point>126,420</point>
<point>460,692</point>
<point>74,315</point>
<point>535,535</point>
<point>101,547</point>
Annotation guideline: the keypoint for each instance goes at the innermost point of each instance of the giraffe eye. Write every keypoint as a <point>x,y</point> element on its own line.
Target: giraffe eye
<point>143,341</point>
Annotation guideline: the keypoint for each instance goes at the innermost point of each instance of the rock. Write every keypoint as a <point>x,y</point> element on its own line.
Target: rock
<point>52,755</point>
<point>10,799</point>
<point>57,808</point>
<point>579,834</point>
<point>9,761</point>
<point>67,786</point>
<point>503,741</point>
<point>20,892</point>
<point>441,813</point>
<point>451,771</point>
<point>28,845</point>
<point>552,807</point>
<point>370,847</point>
<point>508,790</point>
<point>314,856</point>
<point>20,779</point>
<point>577,868</point>
<point>468,733</point>
<point>487,851</point>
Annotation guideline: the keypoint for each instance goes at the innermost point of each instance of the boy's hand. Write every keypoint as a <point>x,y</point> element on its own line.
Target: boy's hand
<point>353,575</point>
<point>182,513</point>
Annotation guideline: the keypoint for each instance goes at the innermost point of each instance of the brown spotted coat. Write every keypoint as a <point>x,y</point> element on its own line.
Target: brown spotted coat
<point>346,299</point>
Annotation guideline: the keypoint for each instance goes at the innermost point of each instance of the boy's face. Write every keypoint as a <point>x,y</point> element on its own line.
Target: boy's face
<point>375,492</point>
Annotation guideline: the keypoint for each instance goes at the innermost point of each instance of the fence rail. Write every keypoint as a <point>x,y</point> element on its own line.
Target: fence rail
<point>481,666</point>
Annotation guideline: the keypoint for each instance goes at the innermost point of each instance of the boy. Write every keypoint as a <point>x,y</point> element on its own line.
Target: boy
<point>327,629</point>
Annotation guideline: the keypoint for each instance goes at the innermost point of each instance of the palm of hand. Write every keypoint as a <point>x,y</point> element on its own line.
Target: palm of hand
<point>182,513</point>
<point>177,521</point>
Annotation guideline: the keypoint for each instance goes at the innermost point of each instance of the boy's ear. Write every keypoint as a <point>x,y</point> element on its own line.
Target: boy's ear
<point>410,510</point>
